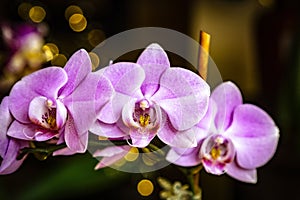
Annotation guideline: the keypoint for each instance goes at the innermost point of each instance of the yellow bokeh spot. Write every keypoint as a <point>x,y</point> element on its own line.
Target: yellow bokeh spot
<point>77,22</point>
<point>23,10</point>
<point>71,10</point>
<point>149,159</point>
<point>120,162</point>
<point>95,37</point>
<point>94,59</point>
<point>59,60</point>
<point>132,154</point>
<point>50,50</point>
<point>37,14</point>
<point>145,187</point>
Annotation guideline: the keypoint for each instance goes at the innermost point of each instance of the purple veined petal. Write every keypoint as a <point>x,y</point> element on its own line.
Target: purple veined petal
<point>104,92</point>
<point>74,140</point>
<point>107,130</point>
<point>45,135</point>
<point>184,96</point>
<point>30,132</point>
<point>10,163</point>
<point>207,123</point>
<point>127,115</point>
<point>112,111</point>
<point>241,174</point>
<point>140,138</point>
<point>125,77</point>
<point>226,96</point>
<point>254,134</point>
<point>82,105</point>
<point>152,81</point>
<point>5,121</point>
<point>77,68</point>
<point>154,55</point>
<point>174,138</point>
<point>186,159</point>
<point>61,114</point>
<point>110,155</point>
<point>45,82</point>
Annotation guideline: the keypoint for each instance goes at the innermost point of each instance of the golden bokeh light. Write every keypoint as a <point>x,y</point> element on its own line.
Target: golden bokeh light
<point>59,60</point>
<point>23,10</point>
<point>71,10</point>
<point>77,22</point>
<point>50,50</point>
<point>149,159</point>
<point>94,59</point>
<point>120,162</point>
<point>95,37</point>
<point>145,187</point>
<point>132,154</point>
<point>37,14</point>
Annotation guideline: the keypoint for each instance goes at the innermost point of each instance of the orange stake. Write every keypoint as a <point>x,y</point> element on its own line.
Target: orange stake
<point>204,41</point>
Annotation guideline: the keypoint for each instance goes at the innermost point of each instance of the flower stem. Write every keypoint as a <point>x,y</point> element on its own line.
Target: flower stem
<point>40,153</point>
<point>193,175</point>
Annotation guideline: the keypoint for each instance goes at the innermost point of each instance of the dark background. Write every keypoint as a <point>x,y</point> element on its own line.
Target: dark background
<point>254,43</point>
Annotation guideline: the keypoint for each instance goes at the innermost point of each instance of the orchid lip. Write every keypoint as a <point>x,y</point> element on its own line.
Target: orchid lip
<point>216,152</point>
<point>46,113</point>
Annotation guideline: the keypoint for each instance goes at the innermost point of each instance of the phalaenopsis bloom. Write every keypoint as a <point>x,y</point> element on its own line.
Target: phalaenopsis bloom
<point>233,137</point>
<point>152,99</point>
<point>59,104</point>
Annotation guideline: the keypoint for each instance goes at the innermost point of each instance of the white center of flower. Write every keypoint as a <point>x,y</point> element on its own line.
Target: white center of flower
<point>144,104</point>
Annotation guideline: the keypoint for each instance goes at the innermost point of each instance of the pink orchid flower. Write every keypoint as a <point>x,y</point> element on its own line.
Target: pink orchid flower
<point>234,138</point>
<point>59,103</point>
<point>153,99</point>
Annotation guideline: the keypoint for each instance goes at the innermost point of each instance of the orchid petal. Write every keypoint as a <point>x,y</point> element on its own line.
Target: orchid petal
<point>125,77</point>
<point>61,114</point>
<point>153,55</point>
<point>107,130</point>
<point>82,102</point>
<point>141,139</point>
<point>241,174</point>
<point>185,91</point>
<point>254,134</point>
<point>5,119</point>
<point>174,138</point>
<point>226,96</point>
<point>75,141</point>
<point>185,160</point>
<point>64,152</point>
<point>45,82</point>
<point>36,111</point>
<point>104,92</point>
<point>29,132</point>
<point>111,155</point>
<point>111,112</point>
<point>10,163</point>
<point>151,82</point>
<point>77,68</point>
